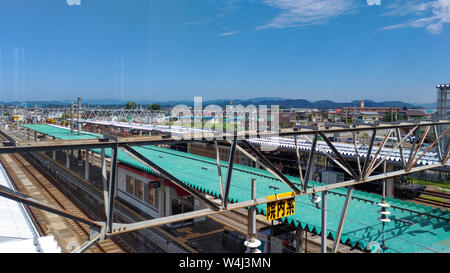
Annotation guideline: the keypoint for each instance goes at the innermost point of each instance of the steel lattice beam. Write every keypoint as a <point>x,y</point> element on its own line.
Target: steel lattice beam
<point>126,143</point>
<point>168,176</point>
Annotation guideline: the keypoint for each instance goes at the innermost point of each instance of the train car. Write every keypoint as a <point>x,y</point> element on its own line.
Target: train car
<point>155,196</point>
<point>402,188</point>
<point>405,188</point>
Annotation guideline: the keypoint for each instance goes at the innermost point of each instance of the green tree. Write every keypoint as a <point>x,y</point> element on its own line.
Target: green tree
<point>130,105</point>
<point>154,106</point>
<point>390,117</point>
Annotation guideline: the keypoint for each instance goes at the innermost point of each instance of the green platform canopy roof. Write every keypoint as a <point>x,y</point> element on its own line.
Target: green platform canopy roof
<point>428,234</point>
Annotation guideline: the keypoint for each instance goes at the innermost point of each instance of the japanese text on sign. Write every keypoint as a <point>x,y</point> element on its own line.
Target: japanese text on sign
<point>280,208</point>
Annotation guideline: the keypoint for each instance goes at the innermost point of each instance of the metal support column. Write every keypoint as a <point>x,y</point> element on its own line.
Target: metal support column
<point>323,245</point>
<point>342,219</point>
<point>297,154</point>
<point>310,163</point>
<point>112,188</point>
<point>439,148</point>
<point>252,213</point>
<point>389,182</point>
<point>402,154</point>
<point>67,160</point>
<point>86,165</point>
<point>167,203</point>
<point>230,171</point>
<point>219,170</point>
<point>161,201</point>
<point>104,180</point>
<point>300,240</point>
<point>252,243</point>
<point>369,153</point>
<point>91,158</point>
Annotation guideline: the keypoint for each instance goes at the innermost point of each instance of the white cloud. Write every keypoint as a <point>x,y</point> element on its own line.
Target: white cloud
<point>227,7</point>
<point>306,12</point>
<point>431,15</point>
<point>228,33</point>
<point>195,23</point>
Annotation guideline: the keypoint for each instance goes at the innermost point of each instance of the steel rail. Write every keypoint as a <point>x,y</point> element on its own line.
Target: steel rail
<point>88,244</point>
<point>27,200</point>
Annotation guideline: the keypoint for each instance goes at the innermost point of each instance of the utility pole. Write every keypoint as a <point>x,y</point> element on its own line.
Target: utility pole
<point>324,223</point>
<point>252,243</point>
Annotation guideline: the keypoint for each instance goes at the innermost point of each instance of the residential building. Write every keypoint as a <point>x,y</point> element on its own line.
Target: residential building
<point>414,114</point>
<point>366,117</point>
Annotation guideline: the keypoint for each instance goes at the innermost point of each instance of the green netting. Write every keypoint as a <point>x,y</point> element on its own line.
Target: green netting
<point>361,227</point>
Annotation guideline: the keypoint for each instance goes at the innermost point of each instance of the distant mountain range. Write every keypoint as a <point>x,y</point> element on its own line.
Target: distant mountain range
<point>283,103</point>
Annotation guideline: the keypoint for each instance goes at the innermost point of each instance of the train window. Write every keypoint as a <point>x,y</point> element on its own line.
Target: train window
<point>140,189</point>
<point>151,196</point>
<point>130,184</point>
<point>156,203</point>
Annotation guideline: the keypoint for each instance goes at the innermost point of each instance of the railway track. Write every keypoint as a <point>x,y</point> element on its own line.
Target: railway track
<point>437,194</point>
<point>29,180</point>
<point>432,201</point>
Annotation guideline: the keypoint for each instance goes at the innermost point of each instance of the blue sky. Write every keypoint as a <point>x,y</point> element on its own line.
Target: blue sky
<point>339,50</point>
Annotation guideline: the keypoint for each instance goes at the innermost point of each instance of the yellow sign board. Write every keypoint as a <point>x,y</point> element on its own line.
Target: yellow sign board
<point>280,208</point>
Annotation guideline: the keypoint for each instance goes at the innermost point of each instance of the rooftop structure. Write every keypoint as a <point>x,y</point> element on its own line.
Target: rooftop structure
<point>345,149</point>
<point>346,111</point>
